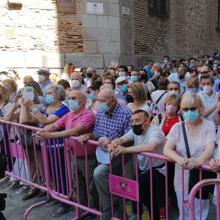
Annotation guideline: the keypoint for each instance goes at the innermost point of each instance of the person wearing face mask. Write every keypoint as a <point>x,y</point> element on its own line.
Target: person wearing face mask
<point>76,81</point>
<point>166,121</point>
<point>121,87</point>
<point>208,96</point>
<point>90,73</point>
<point>193,85</point>
<point>181,76</point>
<point>77,122</point>
<point>44,78</point>
<point>122,71</point>
<point>112,121</point>
<point>146,138</point>
<point>91,94</point>
<point>135,77</point>
<point>108,80</point>
<point>201,137</point>
<point>42,116</point>
<point>173,88</point>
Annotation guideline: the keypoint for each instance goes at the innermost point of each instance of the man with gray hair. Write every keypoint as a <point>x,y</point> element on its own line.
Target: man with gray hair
<point>112,121</point>
<point>77,122</point>
<point>76,81</point>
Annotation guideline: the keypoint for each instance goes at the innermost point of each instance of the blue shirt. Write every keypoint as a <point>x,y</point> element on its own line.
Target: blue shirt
<point>216,85</point>
<point>60,112</point>
<point>175,78</point>
<point>111,126</point>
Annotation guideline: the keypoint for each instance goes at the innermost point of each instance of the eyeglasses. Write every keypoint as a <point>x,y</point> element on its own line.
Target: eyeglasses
<point>189,109</point>
<point>204,72</point>
<point>170,89</point>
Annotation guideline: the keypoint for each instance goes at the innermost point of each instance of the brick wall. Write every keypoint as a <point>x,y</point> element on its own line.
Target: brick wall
<point>38,27</point>
<point>189,30</point>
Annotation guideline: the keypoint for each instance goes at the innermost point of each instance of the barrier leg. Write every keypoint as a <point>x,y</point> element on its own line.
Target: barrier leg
<point>27,212</point>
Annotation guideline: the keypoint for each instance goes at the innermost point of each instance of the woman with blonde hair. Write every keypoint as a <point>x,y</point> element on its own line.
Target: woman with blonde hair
<point>12,87</point>
<point>156,69</point>
<point>137,98</point>
<point>67,71</point>
<point>190,144</point>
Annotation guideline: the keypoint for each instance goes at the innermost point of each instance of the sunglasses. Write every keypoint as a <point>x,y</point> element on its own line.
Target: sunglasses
<point>189,109</point>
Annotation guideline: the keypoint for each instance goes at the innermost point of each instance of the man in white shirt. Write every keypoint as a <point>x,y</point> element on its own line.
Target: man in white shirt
<point>146,138</point>
<point>208,96</point>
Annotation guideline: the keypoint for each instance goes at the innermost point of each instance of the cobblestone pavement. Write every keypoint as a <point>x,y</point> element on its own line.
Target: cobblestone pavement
<point>16,207</point>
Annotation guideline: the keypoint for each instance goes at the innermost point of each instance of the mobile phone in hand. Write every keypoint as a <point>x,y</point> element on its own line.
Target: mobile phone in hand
<point>28,93</point>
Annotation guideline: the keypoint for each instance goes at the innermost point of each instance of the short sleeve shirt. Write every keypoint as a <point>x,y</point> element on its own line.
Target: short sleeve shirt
<point>153,135</point>
<point>111,126</point>
<point>197,145</point>
<point>208,102</point>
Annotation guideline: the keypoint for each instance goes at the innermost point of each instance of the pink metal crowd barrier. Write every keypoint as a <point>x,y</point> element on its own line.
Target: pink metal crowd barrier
<point>63,168</point>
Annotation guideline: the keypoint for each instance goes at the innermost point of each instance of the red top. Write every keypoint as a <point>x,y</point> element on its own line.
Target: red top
<point>168,124</point>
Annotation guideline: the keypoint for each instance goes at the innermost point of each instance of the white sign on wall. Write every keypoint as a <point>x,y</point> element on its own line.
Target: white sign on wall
<point>94,8</point>
<point>125,11</point>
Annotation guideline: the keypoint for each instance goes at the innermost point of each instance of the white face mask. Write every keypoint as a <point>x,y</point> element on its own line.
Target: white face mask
<point>207,89</point>
<point>173,92</point>
<point>165,61</point>
<point>41,78</point>
<point>122,73</point>
<point>75,83</point>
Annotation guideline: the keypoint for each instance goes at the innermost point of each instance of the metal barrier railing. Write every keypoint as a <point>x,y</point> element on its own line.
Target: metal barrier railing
<point>64,168</point>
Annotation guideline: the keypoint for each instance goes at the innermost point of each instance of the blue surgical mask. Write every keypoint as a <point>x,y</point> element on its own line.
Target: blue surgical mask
<point>91,96</point>
<point>103,107</point>
<point>122,73</point>
<point>66,101</point>
<point>73,104</point>
<point>134,78</point>
<point>124,88</point>
<point>191,116</point>
<point>192,90</point>
<point>49,99</point>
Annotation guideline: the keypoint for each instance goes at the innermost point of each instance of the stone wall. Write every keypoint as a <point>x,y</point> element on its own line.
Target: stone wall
<point>38,33</point>
<point>53,32</point>
<point>189,30</point>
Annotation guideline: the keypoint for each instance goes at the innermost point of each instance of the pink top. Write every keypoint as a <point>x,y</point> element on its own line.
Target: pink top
<point>85,118</point>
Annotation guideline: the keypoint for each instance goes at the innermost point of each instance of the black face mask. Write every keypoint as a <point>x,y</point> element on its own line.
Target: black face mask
<point>137,129</point>
<point>129,98</point>
<point>89,75</point>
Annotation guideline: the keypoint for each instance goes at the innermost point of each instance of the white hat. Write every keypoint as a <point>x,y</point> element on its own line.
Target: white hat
<point>44,69</point>
<point>120,79</point>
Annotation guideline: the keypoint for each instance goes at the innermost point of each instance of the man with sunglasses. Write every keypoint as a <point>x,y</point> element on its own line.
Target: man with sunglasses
<point>208,96</point>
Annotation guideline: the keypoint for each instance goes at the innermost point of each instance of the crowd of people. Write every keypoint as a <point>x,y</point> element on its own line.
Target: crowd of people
<point>170,108</point>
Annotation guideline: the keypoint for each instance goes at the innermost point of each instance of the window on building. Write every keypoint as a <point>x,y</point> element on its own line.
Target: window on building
<point>218,18</point>
<point>66,6</point>
<point>159,8</point>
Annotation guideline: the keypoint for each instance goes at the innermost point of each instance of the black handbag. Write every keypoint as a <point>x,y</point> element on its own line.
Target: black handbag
<point>3,196</point>
<point>194,174</point>
<point>3,164</point>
